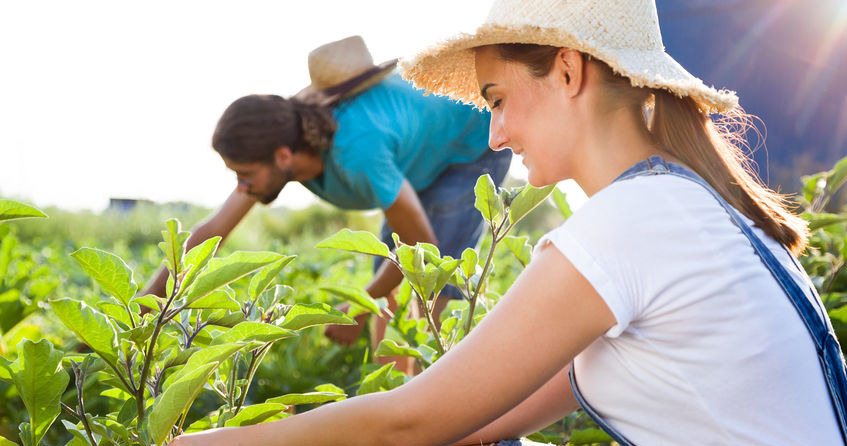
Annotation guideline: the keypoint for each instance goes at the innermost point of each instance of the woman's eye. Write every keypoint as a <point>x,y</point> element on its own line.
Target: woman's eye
<point>496,103</point>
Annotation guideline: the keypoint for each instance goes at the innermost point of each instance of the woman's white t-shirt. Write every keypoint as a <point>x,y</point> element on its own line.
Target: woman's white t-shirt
<point>707,348</point>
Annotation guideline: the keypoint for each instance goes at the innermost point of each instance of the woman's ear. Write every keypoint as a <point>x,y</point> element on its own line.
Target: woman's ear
<point>569,68</point>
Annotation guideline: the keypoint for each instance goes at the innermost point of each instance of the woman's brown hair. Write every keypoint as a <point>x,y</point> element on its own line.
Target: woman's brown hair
<point>254,126</point>
<point>713,149</point>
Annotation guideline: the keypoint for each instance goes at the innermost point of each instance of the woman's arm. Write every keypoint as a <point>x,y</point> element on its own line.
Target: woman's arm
<point>549,315</point>
<point>552,402</point>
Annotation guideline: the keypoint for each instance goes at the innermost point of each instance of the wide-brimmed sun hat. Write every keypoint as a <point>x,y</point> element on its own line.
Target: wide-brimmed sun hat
<point>622,33</point>
<point>342,69</point>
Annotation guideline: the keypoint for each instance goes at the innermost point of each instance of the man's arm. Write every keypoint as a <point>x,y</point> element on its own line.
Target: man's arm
<point>407,218</point>
<point>220,223</point>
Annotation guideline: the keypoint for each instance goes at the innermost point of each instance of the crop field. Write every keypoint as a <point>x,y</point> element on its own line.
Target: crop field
<point>87,358</point>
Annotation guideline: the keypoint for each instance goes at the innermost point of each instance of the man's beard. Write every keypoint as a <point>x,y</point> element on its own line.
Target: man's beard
<point>285,176</point>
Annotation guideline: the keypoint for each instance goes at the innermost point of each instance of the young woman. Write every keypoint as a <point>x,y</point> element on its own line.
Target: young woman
<point>672,296</point>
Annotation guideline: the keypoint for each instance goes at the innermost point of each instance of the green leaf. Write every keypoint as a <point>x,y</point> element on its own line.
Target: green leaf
<point>390,348</point>
<point>301,316</point>
<point>255,414</point>
<point>220,299</point>
<point>356,241</point>
<point>174,245</point>
<point>197,258</point>
<point>40,382</point>
<point>520,248</point>
<point>470,260</point>
<point>263,279</point>
<point>822,220</point>
<point>331,388</point>
<point>355,295</point>
<point>560,199</point>
<point>253,331</point>
<point>294,399</point>
<point>487,201</point>
<point>6,442</point>
<point>12,210</point>
<point>109,271</point>
<point>838,175</point>
<point>444,272</point>
<point>377,381</point>
<point>813,185</point>
<point>224,271</point>
<point>149,300</point>
<point>175,400</point>
<point>527,200</point>
<point>5,371</point>
<point>208,355</point>
<point>589,436</point>
<point>90,326</point>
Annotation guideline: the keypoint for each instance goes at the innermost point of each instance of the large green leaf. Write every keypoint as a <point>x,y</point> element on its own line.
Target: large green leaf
<point>221,272</point>
<point>487,201</point>
<point>527,200</point>
<point>197,258</point>
<point>174,245</point>
<point>390,348</point>
<point>301,316</point>
<point>109,271</point>
<point>263,279</point>
<point>90,326</point>
<point>255,414</point>
<point>208,355</point>
<point>520,248</point>
<point>253,331</point>
<point>560,199</point>
<point>355,295</point>
<point>377,381</point>
<point>219,299</point>
<point>175,400</point>
<point>356,241</point>
<point>6,442</point>
<point>11,210</point>
<point>40,382</point>
<point>293,399</point>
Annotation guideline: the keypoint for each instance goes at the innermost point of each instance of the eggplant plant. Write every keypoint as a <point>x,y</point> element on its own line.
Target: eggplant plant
<point>426,273</point>
<point>202,336</point>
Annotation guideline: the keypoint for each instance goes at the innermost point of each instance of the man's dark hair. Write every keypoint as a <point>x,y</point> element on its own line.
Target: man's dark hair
<point>254,126</point>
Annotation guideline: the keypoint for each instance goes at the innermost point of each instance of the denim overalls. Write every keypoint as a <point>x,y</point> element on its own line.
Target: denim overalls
<point>820,329</point>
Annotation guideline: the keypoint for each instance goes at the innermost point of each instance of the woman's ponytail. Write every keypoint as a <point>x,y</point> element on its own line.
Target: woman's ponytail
<point>713,151</point>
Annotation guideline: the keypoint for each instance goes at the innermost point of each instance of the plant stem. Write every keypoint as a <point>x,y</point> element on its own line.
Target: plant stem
<point>79,376</point>
<point>480,284</point>
<point>431,324</point>
<point>148,358</point>
<point>251,370</point>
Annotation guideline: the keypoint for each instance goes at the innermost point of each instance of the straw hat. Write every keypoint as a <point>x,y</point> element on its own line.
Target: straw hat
<point>340,70</point>
<point>622,33</point>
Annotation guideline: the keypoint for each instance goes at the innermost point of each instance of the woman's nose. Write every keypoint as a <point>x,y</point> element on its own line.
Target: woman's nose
<point>497,139</point>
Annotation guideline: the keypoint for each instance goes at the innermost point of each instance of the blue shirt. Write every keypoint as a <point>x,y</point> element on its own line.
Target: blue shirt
<point>392,132</point>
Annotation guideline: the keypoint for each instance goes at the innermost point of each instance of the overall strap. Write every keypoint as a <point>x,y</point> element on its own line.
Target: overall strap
<point>815,319</point>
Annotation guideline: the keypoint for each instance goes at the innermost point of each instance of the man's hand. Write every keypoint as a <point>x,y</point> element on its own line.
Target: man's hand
<point>347,334</point>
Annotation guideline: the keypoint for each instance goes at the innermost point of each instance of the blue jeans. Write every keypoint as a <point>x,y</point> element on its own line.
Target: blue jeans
<point>449,205</point>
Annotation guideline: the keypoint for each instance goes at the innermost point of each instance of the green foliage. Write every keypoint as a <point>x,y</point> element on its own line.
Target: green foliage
<point>12,210</point>
<point>40,383</point>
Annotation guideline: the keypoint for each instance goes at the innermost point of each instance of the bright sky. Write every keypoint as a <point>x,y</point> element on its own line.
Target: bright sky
<point>105,99</point>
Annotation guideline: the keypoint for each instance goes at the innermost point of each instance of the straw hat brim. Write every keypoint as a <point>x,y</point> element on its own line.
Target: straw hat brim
<point>312,95</point>
<point>448,68</point>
